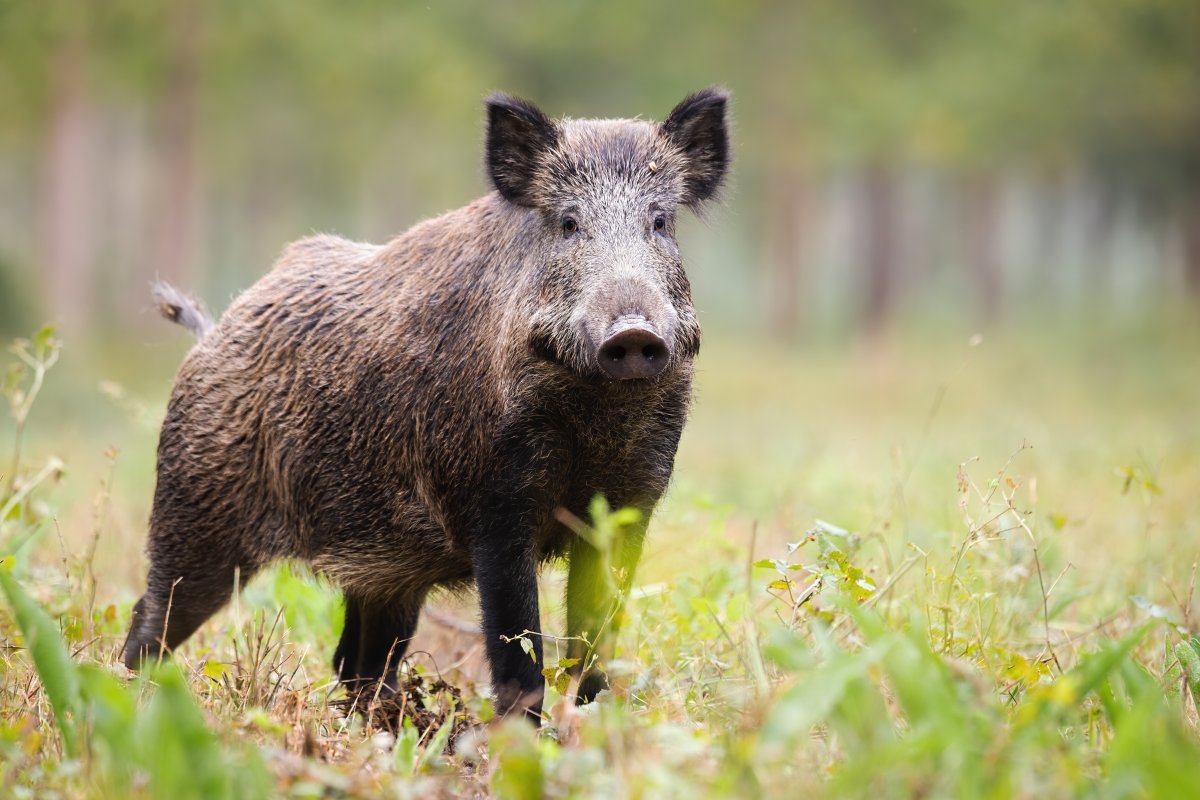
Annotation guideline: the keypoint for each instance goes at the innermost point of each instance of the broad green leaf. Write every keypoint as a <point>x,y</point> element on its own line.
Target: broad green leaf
<point>1172,669</point>
<point>1188,654</point>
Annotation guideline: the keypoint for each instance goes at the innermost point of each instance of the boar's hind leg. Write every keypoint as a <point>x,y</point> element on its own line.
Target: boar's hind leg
<point>375,638</point>
<point>594,601</point>
<point>185,587</point>
<point>345,658</point>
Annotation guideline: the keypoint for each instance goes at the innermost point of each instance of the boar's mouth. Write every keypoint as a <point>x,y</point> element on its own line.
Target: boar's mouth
<point>584,358</point>
<point>544,347</point>
<point>547,349</point>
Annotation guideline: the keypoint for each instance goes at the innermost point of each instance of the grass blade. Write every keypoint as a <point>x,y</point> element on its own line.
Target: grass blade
<point>54,665</point>
<point>1095,668</point>
<point>437,744</point>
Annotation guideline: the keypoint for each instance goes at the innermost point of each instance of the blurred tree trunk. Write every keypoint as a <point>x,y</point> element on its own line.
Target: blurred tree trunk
<point>1191,246</point>
<point>980,240</point>
<point>179,191</point>
<point>881,226</point>
<point>1051,203</point>
<point>1098,244</point>
<point>789,209</point>
<point>787,173</point>
<point>67,207</point>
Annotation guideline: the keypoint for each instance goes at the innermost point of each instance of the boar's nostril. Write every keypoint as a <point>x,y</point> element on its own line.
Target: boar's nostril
<point>655,350</point>
<point>633,351</point>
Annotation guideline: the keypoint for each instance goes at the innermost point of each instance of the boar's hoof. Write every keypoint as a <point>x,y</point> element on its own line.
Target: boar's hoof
<point>511,701</point>
<point>592,684</point>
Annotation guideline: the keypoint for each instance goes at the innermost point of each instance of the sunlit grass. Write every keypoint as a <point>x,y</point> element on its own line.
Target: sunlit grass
<point>948,565</point>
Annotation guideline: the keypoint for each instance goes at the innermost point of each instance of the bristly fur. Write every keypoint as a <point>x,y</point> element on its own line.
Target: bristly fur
<point>413,415</point>
<point>182,309</point>
<point>517,133</point>
<point>698,126</point>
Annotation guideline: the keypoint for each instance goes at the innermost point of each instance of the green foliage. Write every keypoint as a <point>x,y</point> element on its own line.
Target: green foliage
<point>912,649</point>
<point>908,722</point>
<point>168,740</point>
<point>558,675</point>
<point>436,746</point>
<point>1188,654</point>
<point>22,384</point>
<point>54,666</point>
<point>958,83</point>
<point>173,743</point>
<point>406,753</point>
<point>310,608</point>
<point>518,754</point>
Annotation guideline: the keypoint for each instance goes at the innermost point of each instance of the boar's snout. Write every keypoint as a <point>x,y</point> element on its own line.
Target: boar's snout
<point>631,349</point>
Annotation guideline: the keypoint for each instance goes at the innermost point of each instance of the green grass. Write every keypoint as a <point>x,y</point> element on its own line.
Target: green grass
<point>936,567</point>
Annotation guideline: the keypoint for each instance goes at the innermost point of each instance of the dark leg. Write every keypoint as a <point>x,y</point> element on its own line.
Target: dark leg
<point>386,631</point>
<point>375,639</point>
<point>345,658</point>
<point>183,590</point>
<point>506,516</point>
<point>597,584</point>
<point>506,573</point>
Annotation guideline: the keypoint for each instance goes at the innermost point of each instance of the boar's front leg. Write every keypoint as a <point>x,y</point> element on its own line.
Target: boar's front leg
<point>506,574</point>
<point>508,512</point>
<point>597,586</point>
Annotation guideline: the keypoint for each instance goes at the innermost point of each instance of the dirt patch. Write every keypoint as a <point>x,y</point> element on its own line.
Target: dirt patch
<point>425,702</point>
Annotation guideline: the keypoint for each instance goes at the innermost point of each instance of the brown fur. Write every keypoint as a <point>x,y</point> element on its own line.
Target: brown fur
<point>410,415</point>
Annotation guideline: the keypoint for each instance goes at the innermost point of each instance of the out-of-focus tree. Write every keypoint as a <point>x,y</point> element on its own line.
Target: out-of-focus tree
<point>1126,76</point>
<point>48,53</point>
<point>255,123</point>
<point>866,63</point>
<point>62,61</point>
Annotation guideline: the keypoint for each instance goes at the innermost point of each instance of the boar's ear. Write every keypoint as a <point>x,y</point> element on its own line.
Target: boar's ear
<point>698,127</point>
<point>518,133</point>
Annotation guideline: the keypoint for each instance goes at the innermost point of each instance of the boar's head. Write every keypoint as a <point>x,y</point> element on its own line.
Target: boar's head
<point>612,299</point>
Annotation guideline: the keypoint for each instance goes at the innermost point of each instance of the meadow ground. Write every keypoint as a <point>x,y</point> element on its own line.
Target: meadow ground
<point>946,566</point>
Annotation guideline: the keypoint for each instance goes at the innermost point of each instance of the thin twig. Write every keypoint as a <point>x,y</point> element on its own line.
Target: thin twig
<point>162,642</point>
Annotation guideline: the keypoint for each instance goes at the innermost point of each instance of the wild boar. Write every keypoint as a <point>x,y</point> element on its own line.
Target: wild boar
<point>418,414</point>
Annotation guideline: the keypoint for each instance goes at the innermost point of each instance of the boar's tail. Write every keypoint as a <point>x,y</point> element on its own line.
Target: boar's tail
<point>182,309</point>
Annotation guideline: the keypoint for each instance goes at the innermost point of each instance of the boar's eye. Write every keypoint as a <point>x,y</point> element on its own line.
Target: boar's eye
<point>660,222</point>
<point>569,225</point>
